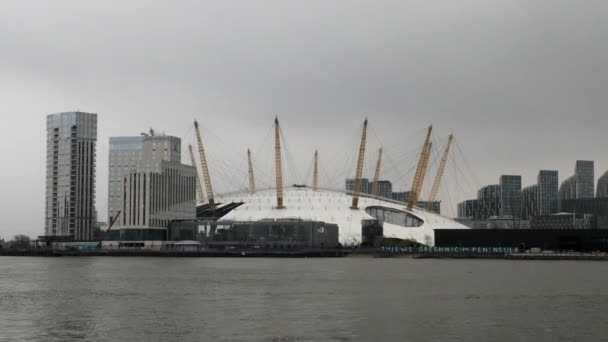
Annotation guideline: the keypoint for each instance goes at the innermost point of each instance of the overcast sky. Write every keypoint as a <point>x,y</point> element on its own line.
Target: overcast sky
<point>523,85</point>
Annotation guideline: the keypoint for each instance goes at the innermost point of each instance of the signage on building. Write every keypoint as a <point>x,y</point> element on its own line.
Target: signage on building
<point>446,250</point>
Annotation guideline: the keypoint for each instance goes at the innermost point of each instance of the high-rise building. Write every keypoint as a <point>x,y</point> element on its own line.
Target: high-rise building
<point>365,185</point>
<point>585,181</point>
<point>602,186</point>
<point>547,182</point>
<point>567,190</point>
<point>148,183</point>
<point>530,202</point>
<point>510,196</point>
<point>488,201</point>
<point>70,175</point>
<point>385,189</point>
<point>469,209</point>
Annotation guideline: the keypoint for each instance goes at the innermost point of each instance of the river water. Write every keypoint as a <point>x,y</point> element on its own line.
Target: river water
<point>348,299</point>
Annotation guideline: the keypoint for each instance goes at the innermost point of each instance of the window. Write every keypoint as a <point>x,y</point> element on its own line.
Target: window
<point>394,216</point>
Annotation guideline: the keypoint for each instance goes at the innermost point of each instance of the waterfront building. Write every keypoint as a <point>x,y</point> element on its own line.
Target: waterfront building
<point>148,183</point>
<point>510,196</point>
<point>530,200</point>
<point>548,183</point>
<point>403,197</point>
<point>365,185</point>
<point>385,189</point>
<point>469,209</point>
<point>602,186</point>
<point>488,201</point>
<point>580,185</point>
<point>70,175</point>
<point>585,181</point>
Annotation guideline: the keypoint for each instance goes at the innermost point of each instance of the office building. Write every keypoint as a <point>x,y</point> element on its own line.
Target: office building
<point>602,186</point>
<point>510,196</point>
<point>385,189</point>
<point>365,185</point>
<point>548,184</point>
<point>70,175</point>
<point>147,182</point>
<point>530,202</point>
<point>585,181</point>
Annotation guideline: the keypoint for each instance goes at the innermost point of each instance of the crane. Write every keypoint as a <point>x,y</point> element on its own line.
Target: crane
<point>206,176</point>
<point>420,170</point>
<point>377,174</point>
<point>440,172</point>
<point>108,230</point>
<point>277,159</point>
<point>199,187</point>
<point>359,171</point>
<point>315,175</point>
<point>251,179</point>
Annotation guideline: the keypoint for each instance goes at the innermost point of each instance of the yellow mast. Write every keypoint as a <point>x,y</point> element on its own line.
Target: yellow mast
<point>279,169</point>
<point>377,174</point>
<point>251,179</point>
<point>359,173</point>
<point>200,195</point>
<point>315,177</point>
<point>206,177</point>
<point>420,170</point>
<point>440,172</point>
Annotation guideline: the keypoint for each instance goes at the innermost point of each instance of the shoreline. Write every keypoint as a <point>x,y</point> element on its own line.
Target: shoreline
<point>319,253</point>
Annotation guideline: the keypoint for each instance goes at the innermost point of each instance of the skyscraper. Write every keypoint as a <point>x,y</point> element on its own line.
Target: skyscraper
<point>70,175</point>
<point>547,182</point>
<point>585,181</point>
<point>148,183</point>
<point>602,186</point>
<point>510,196</point>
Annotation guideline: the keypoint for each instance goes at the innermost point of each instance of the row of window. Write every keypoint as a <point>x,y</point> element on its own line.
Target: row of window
<point>394,216</point>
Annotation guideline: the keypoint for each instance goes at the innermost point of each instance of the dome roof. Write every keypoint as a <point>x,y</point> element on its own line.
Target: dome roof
<point>330,206</point>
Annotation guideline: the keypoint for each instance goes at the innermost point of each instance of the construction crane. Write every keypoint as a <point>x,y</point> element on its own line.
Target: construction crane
<point>200,195</point>
<point>251,179</point>
<point>377,174</point>
<point>439,175</point>
<point>359,171</point>
<point>420,170</point>
<point>206,176</point>
<point>277,158</point>
<point>315,174</point>
<point>108,230</point>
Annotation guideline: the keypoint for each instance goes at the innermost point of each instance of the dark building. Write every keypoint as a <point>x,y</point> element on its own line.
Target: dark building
<point>548,187</point>
<point>510,196</point>
<point>385,189</point>
<point>530,202</point>
<point>271,234</point>
<point>582,240</point>
<point>563,221</point>
<point>602,186</point>
<point>403,196</point>
<point>581,184</point>
<point>598,207</point>
<point>365,185</point>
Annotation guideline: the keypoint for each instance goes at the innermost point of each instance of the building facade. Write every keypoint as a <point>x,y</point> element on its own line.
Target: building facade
<point>385,189</point>
<point>585,181</point>
<point>548,198</point>
<point>147,182</point>
<point>530,202</point>
<point>365,185</point>
<point>602,186</point>
<point>510,196</point>
<point>70,175</point>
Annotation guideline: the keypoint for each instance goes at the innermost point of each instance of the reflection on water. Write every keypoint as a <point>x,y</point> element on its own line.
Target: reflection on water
<point>350,299</point>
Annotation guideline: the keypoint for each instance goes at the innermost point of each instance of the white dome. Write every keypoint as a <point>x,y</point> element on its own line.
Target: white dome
<point>334,207</point>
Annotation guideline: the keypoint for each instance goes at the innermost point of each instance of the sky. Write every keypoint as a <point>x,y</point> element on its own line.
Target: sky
<point>522,85</point>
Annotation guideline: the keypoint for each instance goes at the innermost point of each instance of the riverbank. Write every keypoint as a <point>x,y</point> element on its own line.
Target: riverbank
<point>313,253</point>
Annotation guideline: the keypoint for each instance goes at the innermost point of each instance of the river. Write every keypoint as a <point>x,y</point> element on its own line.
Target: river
<point>342,299</point>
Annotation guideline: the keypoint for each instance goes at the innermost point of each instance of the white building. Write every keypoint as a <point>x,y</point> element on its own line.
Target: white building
<point>334,207</point>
